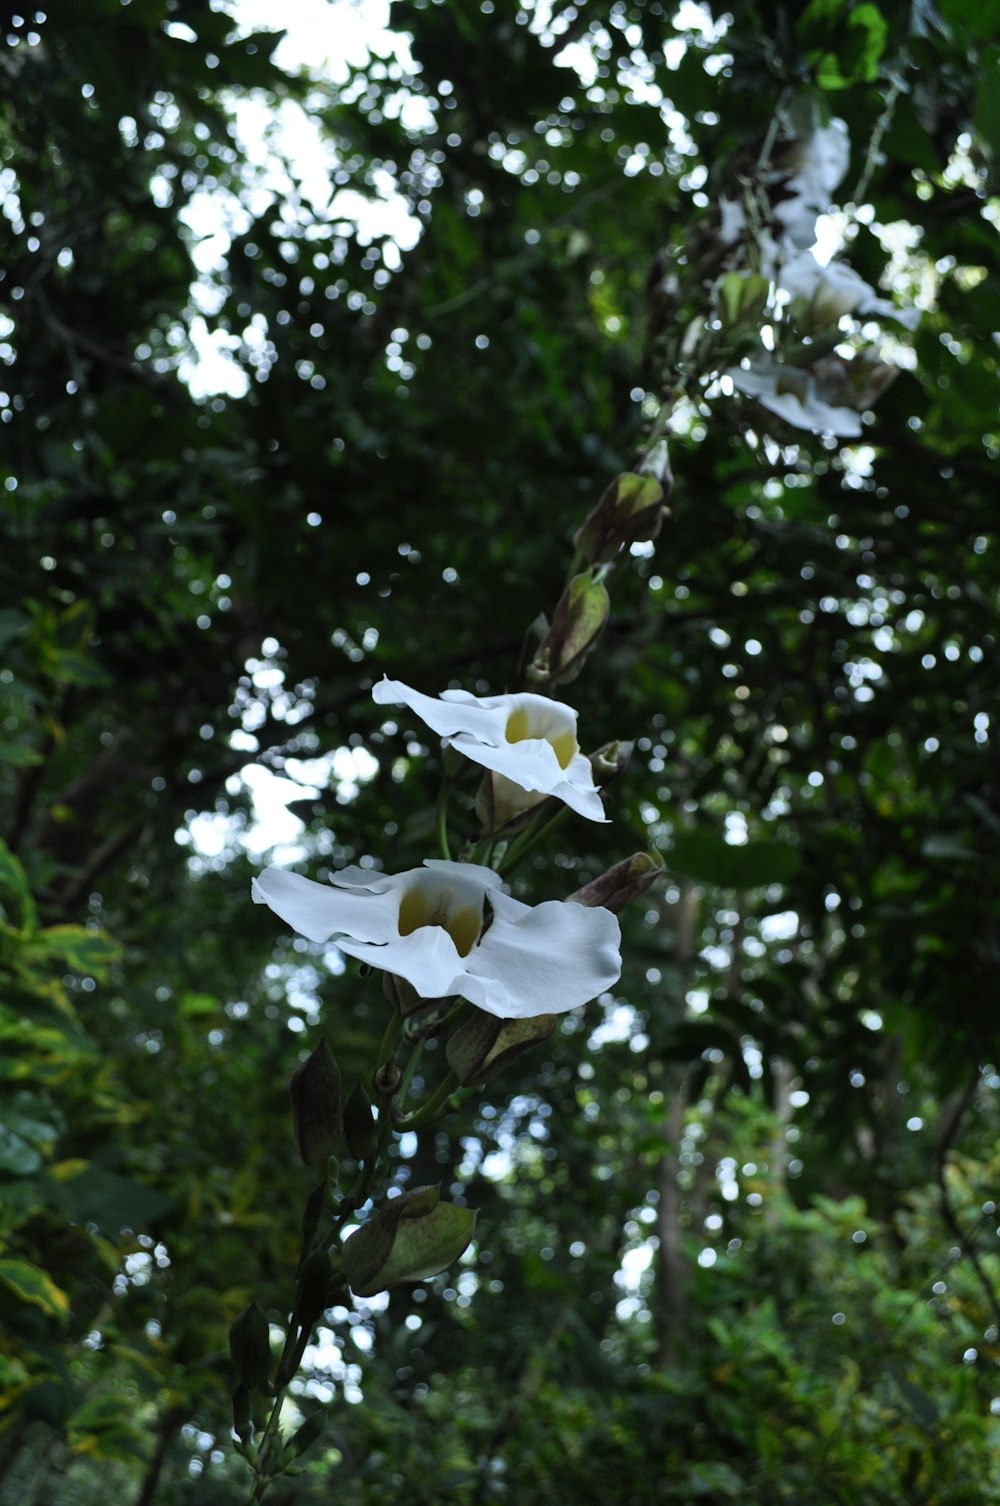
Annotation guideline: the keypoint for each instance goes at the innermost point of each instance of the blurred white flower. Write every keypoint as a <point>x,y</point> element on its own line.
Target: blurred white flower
<point>429,927</point>
<point>795,395</point>
<point>831,292</point>
<point>813,167</point>
<point>525,739</point>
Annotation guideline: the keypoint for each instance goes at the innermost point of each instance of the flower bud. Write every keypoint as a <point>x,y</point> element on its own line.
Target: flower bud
<point>504,808</point>
<point>742,299</point>
<point>310,1431</point>
<point>314,1280</point>
<point>359,1124</point>
<point>626,880</point>
<point>630,511</point>
<point>577,623</point>
<point>412,1237</point>
<point>454,761</point>
<point>483,1044</point>
<point>402,995</point>
<point>250,1346</point>
<point>656,463</point>
<point>611,760</point>
<point>317,1116</point>
<point>242,1414</point>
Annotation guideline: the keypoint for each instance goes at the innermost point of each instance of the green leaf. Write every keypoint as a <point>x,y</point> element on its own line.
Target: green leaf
<point>709,857</point>
<point>941,845</point>
<point>971,22</point>
<point>987,116</point>
<point>12,624</point>
<point>412,1237</point>
<point>16,1155</point>
<point>34,1285</point>
<point>924,1408</point>
<point>113,1202</point>
<point>29,1124</point>
<point>14,886</point>
<point>74,946</point>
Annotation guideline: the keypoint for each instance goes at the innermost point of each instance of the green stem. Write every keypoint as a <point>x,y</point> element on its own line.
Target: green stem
<point>408,1071</point>
<point>453,1014</point>
<point>389,1039</point>
<point>442,819</point>
<point>530,838</point>
<point>434,1105</point>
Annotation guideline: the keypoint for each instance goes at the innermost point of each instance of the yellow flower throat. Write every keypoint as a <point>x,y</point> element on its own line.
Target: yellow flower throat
<point>419,908</point>
<point>519,730</point>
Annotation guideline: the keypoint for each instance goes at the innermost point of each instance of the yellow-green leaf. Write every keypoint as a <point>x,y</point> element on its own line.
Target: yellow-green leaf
<point>35,1286</point>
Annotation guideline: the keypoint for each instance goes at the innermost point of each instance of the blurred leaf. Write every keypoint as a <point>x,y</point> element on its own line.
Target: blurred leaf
<point>704,855</point>
<point>33,1285</point>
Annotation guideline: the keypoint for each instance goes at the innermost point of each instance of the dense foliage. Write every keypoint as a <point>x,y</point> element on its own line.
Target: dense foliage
<point>736,1238</point>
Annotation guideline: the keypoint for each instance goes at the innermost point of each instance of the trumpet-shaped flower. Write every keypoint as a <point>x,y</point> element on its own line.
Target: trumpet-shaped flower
<point>830,292</point>
<point>817,163</point>
<point>526,739</point>
<point>796,396</point>
<point>429,926</point>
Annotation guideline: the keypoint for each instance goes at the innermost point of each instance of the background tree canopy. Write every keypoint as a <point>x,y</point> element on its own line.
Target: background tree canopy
<point>269,430</point>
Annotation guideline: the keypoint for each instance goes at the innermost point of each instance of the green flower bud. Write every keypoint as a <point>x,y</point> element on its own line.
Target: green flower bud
<point>630,512</point>
<point>250,1346</point>
<point>310,1431</point>
<point>577,623</point>
<point>242,1415</point>
<point>611,760</point>
<point>314,1282</point>
<point>483,1044</point>
<point>742,299</point>
<point>359,1124</point>
<point>412,1237</point>
<point>316,1105</point>
<point>626,880</point>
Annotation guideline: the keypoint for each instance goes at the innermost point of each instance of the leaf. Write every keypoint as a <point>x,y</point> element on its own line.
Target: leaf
<point>979,22</point>
<point>12,623</point>
<point>35,1286</point>
<point>987,116</point>
<point>29,1123</point>
<point>76,947</point>
<point>103,1428</point>
<point>924,1408</point>
<point>113,1202</point>
<point>14,883</point>
<point>941,845</point>
<point>16,1155</point>
<point>709,857</point>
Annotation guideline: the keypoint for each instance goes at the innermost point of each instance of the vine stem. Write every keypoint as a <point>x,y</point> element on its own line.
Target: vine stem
<point>290,1351</point>
<point>434,1105</point>
<point>389,1039</point>
<point>530,838</point>
<point>442,819</point>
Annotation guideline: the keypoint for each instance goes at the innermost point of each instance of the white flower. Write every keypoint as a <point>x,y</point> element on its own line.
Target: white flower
<point>526,739</point>
<point>836,290</point>
<point>427,926</point>
<point>818,163</point>
<point>795,395</point>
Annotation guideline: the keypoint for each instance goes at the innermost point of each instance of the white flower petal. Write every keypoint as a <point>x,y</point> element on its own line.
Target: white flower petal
<point>322,911</point>
<point>428,959</point>
<point>884,308</point>
<point>799,403</point>
<point>822,160</point>
<point>532,766</point>
<point>530,961</point>
<point>543,756</point>
<point>455,712</point>
<point>543,960</point>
